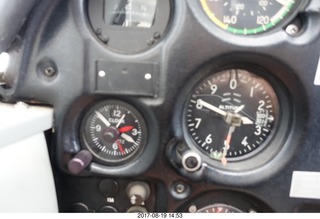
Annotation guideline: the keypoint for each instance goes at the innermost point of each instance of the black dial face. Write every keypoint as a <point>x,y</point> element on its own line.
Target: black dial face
<point>219,208</point>
<point>114,131</point>
<point>230,115</point>
<point>248,16</point>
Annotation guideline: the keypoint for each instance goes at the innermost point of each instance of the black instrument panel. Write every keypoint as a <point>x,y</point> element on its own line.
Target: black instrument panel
<point>198,112</point>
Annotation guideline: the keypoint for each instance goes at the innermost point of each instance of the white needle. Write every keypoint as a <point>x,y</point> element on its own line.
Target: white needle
<point>103,119</point>
<point>245,120</point>
<point>283,2</point>
<point>120,120</point>
<point>128,138</point>
<point>211,107</point>
<point>239,109</point>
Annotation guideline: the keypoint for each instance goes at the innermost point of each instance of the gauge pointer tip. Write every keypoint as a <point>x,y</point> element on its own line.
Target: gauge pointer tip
<point>246,121</point>
<point>120,147</point>
<point>125,129</point>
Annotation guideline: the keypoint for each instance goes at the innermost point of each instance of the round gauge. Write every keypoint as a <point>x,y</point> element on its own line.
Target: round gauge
<point>231,115</point>
<point>113,131</point>
<point>219,208</point>
<point>130,26</point>
<point>224,201</point>
<point>247,17</point>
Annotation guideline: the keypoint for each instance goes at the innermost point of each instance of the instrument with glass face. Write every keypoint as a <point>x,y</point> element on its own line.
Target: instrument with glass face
<point>231,115</point>
<point>113,131</point>
<point>246,17</point>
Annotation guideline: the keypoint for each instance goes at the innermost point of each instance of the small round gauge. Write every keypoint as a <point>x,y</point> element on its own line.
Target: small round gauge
<point>130,26</point>
<point>219,208</point>
<point>231,115</point>
<point>247,17</point>
<point>113,131</point>
<point>224,201</point>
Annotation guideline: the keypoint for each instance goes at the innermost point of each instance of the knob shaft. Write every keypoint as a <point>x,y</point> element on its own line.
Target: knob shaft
<point>80,162</point>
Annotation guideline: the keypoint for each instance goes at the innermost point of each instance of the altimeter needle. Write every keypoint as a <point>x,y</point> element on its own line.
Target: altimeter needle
<point>211,107</point>
<point>245,120</point>
<point>239,109</point>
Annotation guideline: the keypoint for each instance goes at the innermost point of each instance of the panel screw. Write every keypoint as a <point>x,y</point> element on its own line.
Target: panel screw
<point>180,188</point>
<point>49,71</point>
<point>156,35</point>
<point>151,42</point>
<point>99,31</point>
<point>292,30</point>
<point>193,209</point>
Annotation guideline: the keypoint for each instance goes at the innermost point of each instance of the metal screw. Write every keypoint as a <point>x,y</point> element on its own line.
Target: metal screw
<point>292,30</point>
<point>104,39</point>
<point>99,31</point>
<point>151,42</point>
<point>180,188</point>
<point>156,35</point>
<point>193,209</point>
<point>49,71</point>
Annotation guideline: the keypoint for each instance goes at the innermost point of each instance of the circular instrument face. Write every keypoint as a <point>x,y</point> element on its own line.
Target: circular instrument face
<point>130,26</point>
<point>231,115</point>
<point>247,17</point>
<point>113,131</point>
<point>219,208</point>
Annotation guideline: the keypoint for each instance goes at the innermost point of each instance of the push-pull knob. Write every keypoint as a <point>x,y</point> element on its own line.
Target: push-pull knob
<point>79,162</point>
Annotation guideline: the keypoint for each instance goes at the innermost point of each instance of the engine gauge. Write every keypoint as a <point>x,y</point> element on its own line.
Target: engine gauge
<point>219,208</point>
<point>246,17</point>
<point>231,115</point>
<point>113,131</point>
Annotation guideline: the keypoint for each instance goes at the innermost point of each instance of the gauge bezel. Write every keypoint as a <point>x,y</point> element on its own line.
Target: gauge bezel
<point>285,144</point>
<point>72,145</point>
<point>240,200</point>
<point>190,140</point>
<point>273,143</point>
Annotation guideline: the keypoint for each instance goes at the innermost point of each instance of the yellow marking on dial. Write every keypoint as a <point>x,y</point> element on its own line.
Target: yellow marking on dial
<point>211,15</point>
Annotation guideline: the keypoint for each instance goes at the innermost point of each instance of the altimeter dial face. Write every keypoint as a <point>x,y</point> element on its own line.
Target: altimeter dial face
<point>113,131</point>
<point>231,115</point>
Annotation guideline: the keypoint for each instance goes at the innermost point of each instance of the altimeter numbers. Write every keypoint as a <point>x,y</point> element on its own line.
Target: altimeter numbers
<point>231,114</point>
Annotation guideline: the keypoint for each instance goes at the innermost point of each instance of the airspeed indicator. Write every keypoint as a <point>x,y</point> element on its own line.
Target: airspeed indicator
<point>247,17</point>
